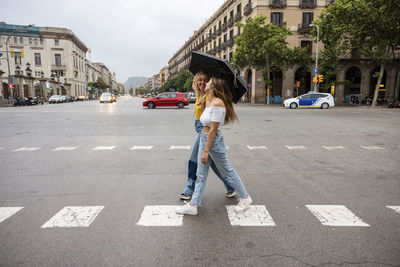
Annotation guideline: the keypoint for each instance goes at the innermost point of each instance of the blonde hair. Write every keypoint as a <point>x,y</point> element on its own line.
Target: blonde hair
<point>196,79</point>
<point>221,90</point>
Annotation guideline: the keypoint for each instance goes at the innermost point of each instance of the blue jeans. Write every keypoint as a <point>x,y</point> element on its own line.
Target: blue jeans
<point>217,154</point>
<point>192,165</point>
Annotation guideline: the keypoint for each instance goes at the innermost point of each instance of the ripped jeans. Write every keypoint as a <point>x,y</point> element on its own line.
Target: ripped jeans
<point>217,154</point>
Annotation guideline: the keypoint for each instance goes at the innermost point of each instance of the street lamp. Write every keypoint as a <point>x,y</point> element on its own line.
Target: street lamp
<point>316,58</point>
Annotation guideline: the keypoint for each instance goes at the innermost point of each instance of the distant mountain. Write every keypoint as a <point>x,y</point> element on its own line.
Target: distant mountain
<point>135,82</point>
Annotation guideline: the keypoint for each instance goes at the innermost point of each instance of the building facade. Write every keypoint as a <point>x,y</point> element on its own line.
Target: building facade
<point>217,37</point>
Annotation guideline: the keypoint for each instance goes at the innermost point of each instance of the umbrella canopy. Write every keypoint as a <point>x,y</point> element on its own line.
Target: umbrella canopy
<point>215,66</point>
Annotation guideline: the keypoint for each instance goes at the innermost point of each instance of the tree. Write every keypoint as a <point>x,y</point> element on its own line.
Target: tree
<point>188,84</point>
<point>101,84</point>
<point>368,29</point>
<point>177,81</point>
<point>263,46</point>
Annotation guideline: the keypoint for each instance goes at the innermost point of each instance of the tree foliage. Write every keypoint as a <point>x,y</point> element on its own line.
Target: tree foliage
<point>177,82</point>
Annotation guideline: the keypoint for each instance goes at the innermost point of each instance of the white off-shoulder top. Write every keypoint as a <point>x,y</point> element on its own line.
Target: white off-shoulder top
<point>213,113</point>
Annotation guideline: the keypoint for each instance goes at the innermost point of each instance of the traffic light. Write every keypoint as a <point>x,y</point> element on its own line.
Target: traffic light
<point>314,80</point>
<point>320,78</point>
<point>22,53</point>
<point>12,52</point>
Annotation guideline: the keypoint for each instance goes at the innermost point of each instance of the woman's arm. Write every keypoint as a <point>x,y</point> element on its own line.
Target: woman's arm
<point>210,140</point>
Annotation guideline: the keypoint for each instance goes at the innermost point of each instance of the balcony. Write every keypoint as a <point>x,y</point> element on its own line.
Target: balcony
<point>218,49</point>
<point>208,39</point>
<point>219,31</point>
<point>277,3</point>
<point>212,51</point>
<point>59,67</point>
<point>308,4</point>
<point>230,22</point>
<point>304,28</point>
<point>238,16</point>
<point>224,27</point>
<point>230,42</point>
<point>213,35</point>
<point>247,9</point>
<point>224,46</point>
<point>329,2</point>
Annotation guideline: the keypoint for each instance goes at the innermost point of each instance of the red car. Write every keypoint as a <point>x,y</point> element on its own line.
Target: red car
<point>167,99</point>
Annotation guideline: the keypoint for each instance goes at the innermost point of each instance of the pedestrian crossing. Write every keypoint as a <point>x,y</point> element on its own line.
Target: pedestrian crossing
<point>164,215</point>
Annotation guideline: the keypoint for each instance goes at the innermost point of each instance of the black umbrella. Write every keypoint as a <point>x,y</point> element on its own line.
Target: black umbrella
<point>215,66</point>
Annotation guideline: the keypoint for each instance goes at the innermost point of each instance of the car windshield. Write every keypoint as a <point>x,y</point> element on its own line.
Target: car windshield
<point>106,94</point>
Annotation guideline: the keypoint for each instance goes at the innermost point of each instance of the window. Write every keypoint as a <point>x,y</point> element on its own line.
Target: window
<point>239,8</point>
<point>58,59</point>
<point>17,57</point>
<point>225,38</point>
<point>21,40</point>
<point>215,28</point>
<point>56,42</point>
<point>307,44</point>
<point>41,41</point>
<point>219,41</point>
<point>15,40</point>
<point>30,40</point>
<point>219,24</point>
<point>308,17</point>
<point>230,56</point>
<point>215,44</point>
<point>231,14</point>
<point>238,30</point>
<point>36,42</point>
<point>231,34</point>
<point>276,18</point>
<point>225,19</point>
<point>172,95</point>
<point>38,60</point>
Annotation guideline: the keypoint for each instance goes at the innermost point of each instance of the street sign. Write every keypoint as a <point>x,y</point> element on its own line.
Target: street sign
<point>48,85</point>
<point>315,70</point>
<point>10,85</point>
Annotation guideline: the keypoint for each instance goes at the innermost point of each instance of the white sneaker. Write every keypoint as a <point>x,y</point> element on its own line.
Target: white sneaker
<point>244,204</point>
<point>231,194</point>
<point>187,209</point>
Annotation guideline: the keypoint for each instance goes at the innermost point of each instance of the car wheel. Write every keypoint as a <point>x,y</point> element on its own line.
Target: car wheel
<point>293,105</point>
<point>325,105</point>
<point>181,105</point>
<point>151,105</point>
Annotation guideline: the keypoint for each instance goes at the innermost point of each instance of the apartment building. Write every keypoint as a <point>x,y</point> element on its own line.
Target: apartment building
<point>216,36</point>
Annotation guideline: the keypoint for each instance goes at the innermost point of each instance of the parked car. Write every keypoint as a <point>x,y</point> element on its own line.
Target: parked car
<point>55,99</point>
<point>167,99</point>
<point>106,97</point>
<point>63,99</point>
<point>191,97</point>
<point>310,100</point>
<point>114,98</point>
<point>395,103</point>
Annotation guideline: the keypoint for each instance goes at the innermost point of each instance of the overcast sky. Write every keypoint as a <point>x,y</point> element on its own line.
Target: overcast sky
<point>132,37</point>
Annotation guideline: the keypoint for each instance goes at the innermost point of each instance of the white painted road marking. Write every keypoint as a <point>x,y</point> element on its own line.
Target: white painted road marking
<point>373,147</point>
<point>78,216</point>
<point>335,215</point>
<point>6,212</point>
<point>26,149</point>
<point>333,147</point>
<point>256,215</point>
<point>142,147</point>
<point>395,208</point>
<point>103,148</point>
<point>179,147</point>
<point>68,148</point>
<point>295,147</point>
<point>256,147</point>
<point>1,148</point>
<point>160,216</point>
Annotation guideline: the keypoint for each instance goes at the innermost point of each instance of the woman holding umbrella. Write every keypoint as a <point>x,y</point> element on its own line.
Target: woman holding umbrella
<point>219,110</point>
<point>199,83</point>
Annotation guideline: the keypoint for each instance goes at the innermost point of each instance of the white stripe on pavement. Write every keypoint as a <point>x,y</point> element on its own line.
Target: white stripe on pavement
<point>78,216</point>
<point>6,212</point>
<point>335,215</point>
<point>256,147</point>
<point>160,216</point>
<point>295,147</point>
<point>1,148</point>
<point>395,208</point>
<point>26,149</point>
<point>333,147</point>
<point>142,147</point>
<point>373,147</point>
<point>68,148</point>
<point>103,148</point>
<point>256,215</point>
<point>179,147</point>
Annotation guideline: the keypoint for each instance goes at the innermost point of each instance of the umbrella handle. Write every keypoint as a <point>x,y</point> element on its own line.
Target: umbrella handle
<point>234,80</point>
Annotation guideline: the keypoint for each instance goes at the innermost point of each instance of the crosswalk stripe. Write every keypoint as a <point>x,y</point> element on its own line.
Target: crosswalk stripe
<point>373,147</point>
<point>333,147</point>
<point>335,215</point>
<point>6,212</point>
<point>256,215</point>
<point>142,147</point>
<point>256,147</point>
<point>74,216</point>
<point>179,147</point>
<point>296,147</point>
<point>160,216</point>
<point>395,208</point>
<point>103,148</point>
<point>67,148</point>
<point>26,149</point>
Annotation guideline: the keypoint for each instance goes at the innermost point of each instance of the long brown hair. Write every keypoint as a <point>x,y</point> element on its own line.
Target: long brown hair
<point>195,80</point>
<point>221,90</point>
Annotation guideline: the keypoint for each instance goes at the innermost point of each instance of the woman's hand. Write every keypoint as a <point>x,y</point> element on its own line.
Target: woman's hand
<point>204,157</point>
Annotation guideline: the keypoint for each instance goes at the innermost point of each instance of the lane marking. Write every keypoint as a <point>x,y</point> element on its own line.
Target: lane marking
<point>256,215</point>
<point>395,208</point>
<point>67,148</point>
<point>26,149</point>
<point>256,147</point>
<point>74,216</point>
<point>142,147</point>
<point>373,147</point>
<point>1,148</point>
<point>103,148</point>
<point>333,147</point>
<point>160,216</point>
<point>335,215</point>
<point>296,147</point>
<point>6,212</point>
<point>179,147</point>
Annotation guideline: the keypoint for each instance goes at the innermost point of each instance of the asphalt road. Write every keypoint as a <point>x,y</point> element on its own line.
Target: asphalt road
<point>291,161</point>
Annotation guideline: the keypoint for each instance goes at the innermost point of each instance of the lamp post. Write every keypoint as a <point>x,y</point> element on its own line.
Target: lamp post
<point>29,74</point>
<point>316,58</point>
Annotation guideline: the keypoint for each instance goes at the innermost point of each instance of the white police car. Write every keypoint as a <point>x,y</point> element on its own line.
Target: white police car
<point>310,100</point>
